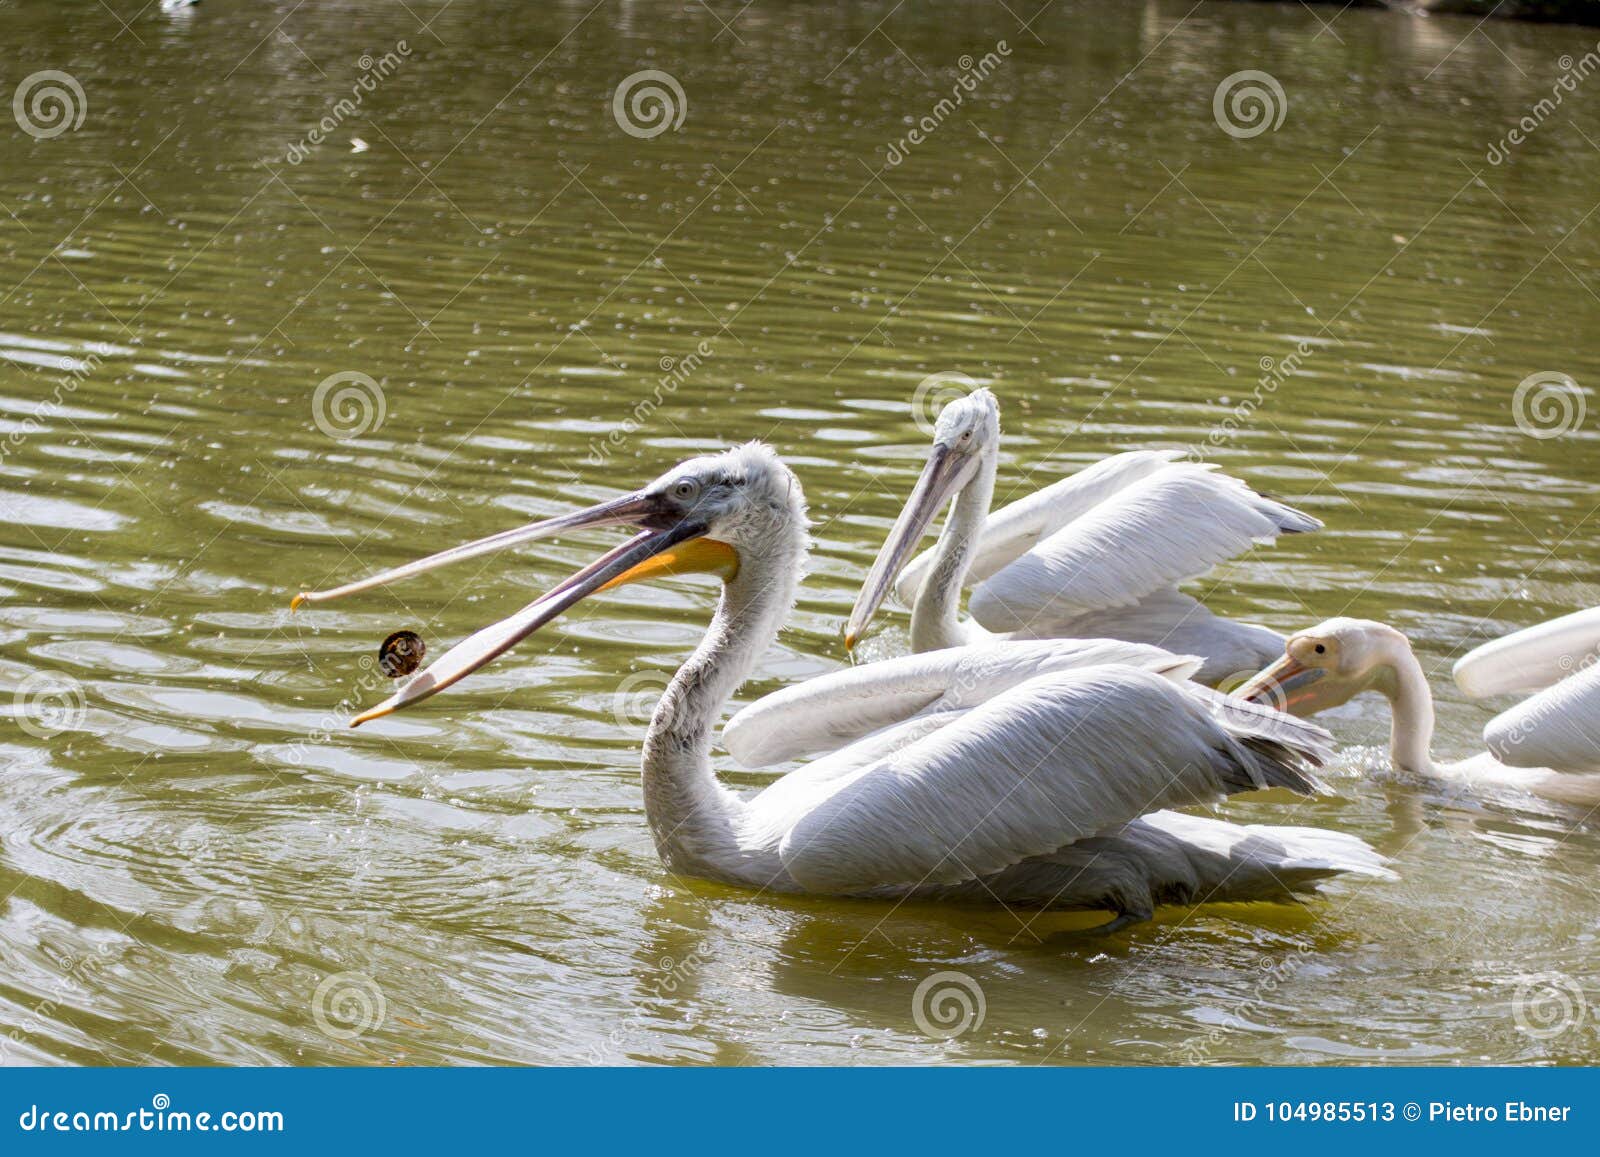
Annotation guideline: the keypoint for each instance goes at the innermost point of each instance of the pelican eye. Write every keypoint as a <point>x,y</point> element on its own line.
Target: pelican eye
<point>1321,650</point>
<point>685,489</point>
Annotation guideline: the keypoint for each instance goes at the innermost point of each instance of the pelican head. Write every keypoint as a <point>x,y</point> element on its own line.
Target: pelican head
<point>705,515</point>
<point>967,430</point>
<point>1329,665</point>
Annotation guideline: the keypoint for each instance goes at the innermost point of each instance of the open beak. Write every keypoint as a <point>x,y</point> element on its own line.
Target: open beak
<point>667,543</point>
<point>942,477</point>
<point>622,511</point>
<point>1285,685</point>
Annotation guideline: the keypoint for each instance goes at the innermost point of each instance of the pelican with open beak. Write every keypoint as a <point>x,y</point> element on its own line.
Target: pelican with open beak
<point>669,540</point>
<point>1048,794</point>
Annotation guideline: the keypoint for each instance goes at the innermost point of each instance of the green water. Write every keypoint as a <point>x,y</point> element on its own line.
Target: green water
<point>197,861</point>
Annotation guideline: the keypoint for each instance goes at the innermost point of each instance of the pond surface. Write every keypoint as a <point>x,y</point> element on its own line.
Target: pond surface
<point>198,864</point>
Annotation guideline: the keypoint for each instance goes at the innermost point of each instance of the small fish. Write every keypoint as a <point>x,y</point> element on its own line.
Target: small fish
<point>401,654</point>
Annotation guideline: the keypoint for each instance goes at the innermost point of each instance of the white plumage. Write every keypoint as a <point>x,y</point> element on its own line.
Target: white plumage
<point>1167,528</point>
<point>1025,774</point>
<point>1551,754</point>
<point>824,713</point>
<point>1048,792</point>
<point>1184,626</point>
<point>1097,554</point>
<point>1559,725</point>
<point>1016,528</point>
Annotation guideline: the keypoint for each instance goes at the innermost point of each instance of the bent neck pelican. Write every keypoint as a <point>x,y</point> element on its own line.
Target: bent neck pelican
<point>1048,794</point>
<point>1097,554</point>
<point>1339,659</point>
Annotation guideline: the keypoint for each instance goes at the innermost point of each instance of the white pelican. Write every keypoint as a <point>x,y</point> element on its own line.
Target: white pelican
<point>1098,554</point>
<point>1046,795</point>
<point>1337,660</point>
<point>1559,725</point>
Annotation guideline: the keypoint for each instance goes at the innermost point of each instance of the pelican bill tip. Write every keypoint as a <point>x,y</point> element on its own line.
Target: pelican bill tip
<point>294,603</point>
<point>370,714</point>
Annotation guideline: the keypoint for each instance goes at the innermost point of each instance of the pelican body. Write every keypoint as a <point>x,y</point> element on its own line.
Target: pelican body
<point>1339,659</point>
<point>1558,725</point>
<point>1051,793</point>
<point>1099,554</point>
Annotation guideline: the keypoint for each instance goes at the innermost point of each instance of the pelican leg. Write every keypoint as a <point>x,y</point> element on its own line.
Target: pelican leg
<point>1110,927</point>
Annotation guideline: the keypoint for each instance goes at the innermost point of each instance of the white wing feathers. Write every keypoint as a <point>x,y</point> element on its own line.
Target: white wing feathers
<point>1008,533</point>
<point>1178,623</point>
<point>1174,525</point>
<point>1558,728</point>
<point>829,711</point>
<point>1052,761</point>
<point>1530,659</point>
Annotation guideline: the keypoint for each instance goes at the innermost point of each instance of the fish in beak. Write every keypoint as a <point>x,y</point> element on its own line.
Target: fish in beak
<point>1286,685</point>
<point>668,542</point>
<point>946,473</point>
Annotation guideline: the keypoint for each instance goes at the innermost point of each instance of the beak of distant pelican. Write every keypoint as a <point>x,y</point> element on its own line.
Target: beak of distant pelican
<point>1286,685</point>
<point>946,472</point>
<point>668,542</point>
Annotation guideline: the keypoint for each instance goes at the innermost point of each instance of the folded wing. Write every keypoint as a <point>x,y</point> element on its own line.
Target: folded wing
<point>1053,760</point>
<point>1530,659</point>
<point>824,713</point>
<point>1014,529</point>
<point>1172,526</point>
<point>1558,728</point>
